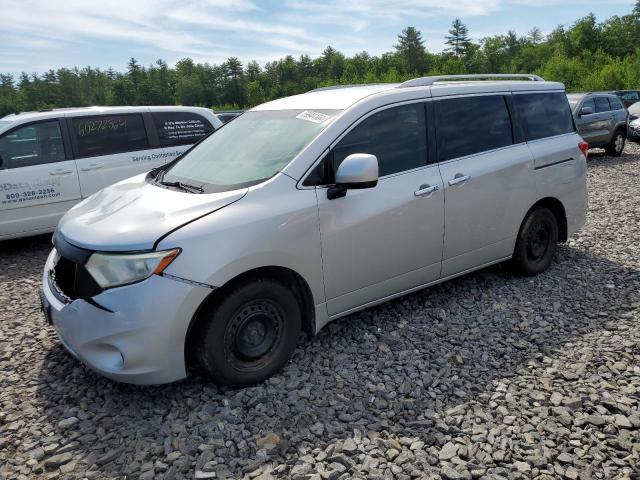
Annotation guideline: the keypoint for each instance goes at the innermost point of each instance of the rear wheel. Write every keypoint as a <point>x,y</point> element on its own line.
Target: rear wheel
<point>249,334</point>
<point>537,242</point>
<point>616,147</point>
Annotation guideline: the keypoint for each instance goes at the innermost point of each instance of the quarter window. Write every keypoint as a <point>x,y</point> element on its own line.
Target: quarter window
<point>35,144</point>
<point>602,104</point>
<point>108,134</point>
<point>180,128</point>
<point>469,125</point>
<point>397,136</point>
<point>616,104</point>
<point>545,114</point>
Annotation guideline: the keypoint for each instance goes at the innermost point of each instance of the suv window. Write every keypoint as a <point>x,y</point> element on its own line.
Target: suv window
<point>459,136</point>
<point>180,128</point>
<point>630,96</point>
<point>35,144</point>
<point>602,104</point>
<point>108,134</point>
<point>616,104</point>
<point>590,103</point>
<point>544,114</point>
<point>396,135</point>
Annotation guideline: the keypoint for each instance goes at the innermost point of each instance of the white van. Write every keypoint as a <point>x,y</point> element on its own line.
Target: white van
<point>50,160</point>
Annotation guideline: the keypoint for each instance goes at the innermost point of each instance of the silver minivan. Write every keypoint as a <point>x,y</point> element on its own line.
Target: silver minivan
<point>306,209</point>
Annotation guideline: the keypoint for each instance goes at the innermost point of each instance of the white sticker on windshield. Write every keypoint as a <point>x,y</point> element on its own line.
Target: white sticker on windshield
<point>315,117</point>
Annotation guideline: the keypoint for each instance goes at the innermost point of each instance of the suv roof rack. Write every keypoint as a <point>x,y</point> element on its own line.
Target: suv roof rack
<point>427,81</point>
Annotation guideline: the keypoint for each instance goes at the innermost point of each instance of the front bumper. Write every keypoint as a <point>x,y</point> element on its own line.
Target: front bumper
<point>133,334</point>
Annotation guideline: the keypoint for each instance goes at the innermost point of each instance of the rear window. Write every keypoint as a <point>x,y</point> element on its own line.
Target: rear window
<point>544,114</point>
<point>180,128</point>
<point>459,136</point>
<point>108,134</point>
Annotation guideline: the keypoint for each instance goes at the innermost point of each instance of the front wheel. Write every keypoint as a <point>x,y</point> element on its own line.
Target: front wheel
<point>250,334</point>
<point>537,242</point>
<point>616,147</point>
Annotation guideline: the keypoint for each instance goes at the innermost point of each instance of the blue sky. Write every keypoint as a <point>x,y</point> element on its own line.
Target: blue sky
<point>38,35</point>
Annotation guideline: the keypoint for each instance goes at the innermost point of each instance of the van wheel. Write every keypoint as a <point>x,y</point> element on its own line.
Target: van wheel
<point>616,146</point>
<point>536,244</point>
<point>250,334</point>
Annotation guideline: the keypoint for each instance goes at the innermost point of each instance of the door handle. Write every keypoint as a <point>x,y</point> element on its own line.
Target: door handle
<point>93,166</point>
<point>459,179</point>
<point>60,171</point>
<point>425,190</point>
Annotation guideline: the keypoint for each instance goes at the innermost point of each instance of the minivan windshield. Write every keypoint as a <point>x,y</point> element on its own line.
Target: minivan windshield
<point>248,150</point>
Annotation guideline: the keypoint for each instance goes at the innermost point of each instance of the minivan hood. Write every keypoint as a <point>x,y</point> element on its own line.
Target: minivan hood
<point>133,214</point>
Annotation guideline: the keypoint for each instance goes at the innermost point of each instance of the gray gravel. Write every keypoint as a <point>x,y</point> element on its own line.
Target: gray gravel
<point>487,376</point>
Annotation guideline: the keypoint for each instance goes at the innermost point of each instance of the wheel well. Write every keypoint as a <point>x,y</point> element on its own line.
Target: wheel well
<point>558,211</point>
<point>293,280</point>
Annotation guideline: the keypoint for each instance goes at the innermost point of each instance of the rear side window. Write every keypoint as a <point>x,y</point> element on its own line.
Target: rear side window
<point>397,136</point>
<point>616,104</point>
<point>180,128</point>
<point>544,114</point>
<point>602,104</point>
<point>469,125</point>
<point>108,134</point>
<point>35,144</point>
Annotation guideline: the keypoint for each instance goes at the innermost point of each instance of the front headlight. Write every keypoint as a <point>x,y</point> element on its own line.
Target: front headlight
<point>114,269</point>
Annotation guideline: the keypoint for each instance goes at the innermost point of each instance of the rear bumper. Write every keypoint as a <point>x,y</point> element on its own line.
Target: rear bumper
<point>133,334</point>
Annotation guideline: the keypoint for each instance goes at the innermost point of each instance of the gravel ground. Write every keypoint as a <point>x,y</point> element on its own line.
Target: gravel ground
<point>487,376</point>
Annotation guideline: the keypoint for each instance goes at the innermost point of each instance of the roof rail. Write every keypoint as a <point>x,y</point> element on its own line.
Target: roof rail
<point>335,87</point>
<point>427,81</point>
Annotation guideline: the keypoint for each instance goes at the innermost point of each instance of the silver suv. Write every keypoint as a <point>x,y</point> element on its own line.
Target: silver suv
<point>601,120</point>
<point>306,209</point>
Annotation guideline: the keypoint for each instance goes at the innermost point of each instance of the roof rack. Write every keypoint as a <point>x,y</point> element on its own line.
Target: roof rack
<point>335,87</point>
<point>427,81</point>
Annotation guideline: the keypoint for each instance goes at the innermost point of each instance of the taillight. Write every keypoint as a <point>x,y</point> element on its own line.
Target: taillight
<point>584,148</point>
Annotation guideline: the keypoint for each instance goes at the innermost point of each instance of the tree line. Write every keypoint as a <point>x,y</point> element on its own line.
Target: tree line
<point>587,56</point>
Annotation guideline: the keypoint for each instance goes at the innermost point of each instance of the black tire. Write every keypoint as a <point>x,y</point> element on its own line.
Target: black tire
<point>249,334</point>
<point>537,242</point>
<point>616,146</point>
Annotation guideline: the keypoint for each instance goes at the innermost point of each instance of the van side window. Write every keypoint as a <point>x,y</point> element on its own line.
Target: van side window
<point>35,144</point>
<point>602,104</point>
<point>396,135</point>
<point>469,125</point>
<point>545,114</point>
<point>108,134</point>
<point>180,128</point>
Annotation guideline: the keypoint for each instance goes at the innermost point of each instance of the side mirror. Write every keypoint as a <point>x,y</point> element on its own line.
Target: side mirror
<point>586,111</point>
<point>357,171</point>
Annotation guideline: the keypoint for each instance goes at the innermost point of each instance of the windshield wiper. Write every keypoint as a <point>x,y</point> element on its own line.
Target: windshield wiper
<point>183,186</point>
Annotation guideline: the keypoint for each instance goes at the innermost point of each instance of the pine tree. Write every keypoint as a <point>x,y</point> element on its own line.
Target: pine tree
<point>458,38</point>
<point>411,49</point>
<point>535,35</point>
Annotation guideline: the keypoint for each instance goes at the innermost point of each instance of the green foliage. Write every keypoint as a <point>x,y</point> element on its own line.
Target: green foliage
<point>411,49</point>
<point>458,38</point>
<point>585,56</point>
